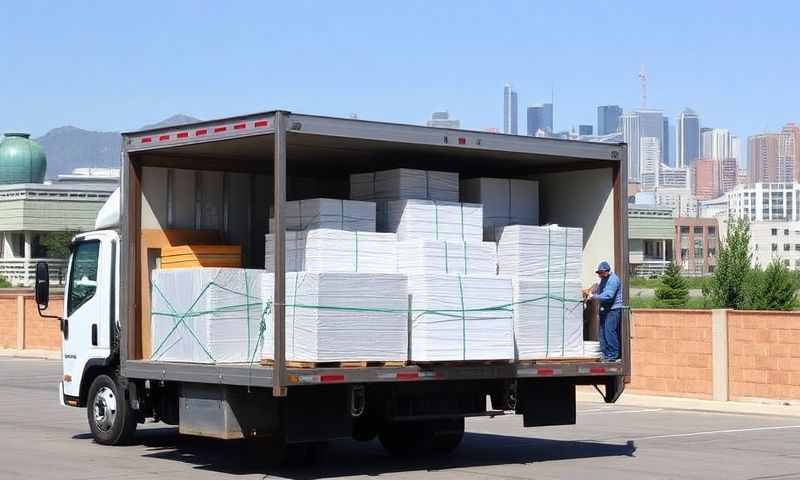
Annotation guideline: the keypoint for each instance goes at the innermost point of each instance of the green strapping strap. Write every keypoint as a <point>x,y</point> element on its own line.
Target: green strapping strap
<point>463,320</point>
<point>446,260</point>
<point>461,206</point>
<point>356,237</point>
<point>466,272</point>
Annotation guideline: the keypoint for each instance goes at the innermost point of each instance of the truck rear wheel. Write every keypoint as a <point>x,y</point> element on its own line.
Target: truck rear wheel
<point>110,417</point>
<point>440,436</point>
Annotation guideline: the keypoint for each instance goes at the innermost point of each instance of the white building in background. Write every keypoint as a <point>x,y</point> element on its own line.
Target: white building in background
<point>443,120</point>
<point>761,202</point>
<point>716,144</point>
<point>680,200</point>
<point>775,241</point>
<point>649,162</point>
<point>713,208</point>
<point>670,177</point>
<point>630,135</point>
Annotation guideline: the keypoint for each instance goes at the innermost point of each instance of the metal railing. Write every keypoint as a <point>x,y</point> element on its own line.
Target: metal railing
<point>21,271</point>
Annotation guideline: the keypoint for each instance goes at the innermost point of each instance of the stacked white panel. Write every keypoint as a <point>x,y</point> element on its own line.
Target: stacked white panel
<point>337,317</point>
<point>550,252</point>
<point>505,202</point>
<point>548,319</point>
<point>457,318</point>
<point>402,184</point>
<point>433,220</point>
<point>206,315</point>
<point>437,256</point>
<point>347,215</point>
<point>328,250</point>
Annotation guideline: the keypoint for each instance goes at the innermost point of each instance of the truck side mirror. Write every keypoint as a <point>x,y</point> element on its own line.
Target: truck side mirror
<point>42,287</point>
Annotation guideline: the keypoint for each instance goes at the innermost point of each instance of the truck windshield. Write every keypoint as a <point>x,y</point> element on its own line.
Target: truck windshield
<point>82,275</point>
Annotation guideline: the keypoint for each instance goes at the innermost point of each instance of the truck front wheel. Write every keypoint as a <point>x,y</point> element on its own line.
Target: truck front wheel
<point>110,417</point>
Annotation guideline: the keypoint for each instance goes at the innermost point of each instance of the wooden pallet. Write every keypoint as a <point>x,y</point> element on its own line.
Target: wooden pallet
<point>348,364</point>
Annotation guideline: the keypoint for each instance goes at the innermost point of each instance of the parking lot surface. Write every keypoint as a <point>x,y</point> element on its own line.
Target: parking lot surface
<point>41,439</point>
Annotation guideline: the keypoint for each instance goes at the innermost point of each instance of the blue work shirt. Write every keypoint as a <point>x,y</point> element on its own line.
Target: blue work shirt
<point>609,292</point>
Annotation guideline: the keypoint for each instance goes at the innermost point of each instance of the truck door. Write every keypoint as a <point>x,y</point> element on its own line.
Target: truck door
<point>85,332</point>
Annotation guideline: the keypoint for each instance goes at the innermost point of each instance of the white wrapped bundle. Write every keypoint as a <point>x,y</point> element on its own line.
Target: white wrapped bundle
<point>548,319</point>
<point>505,201</point>
<point>348,215</point>
<point>328,250</point>
<point>404,183</point>
<point>460,318</point>
<point>337,317</point>
<point>206,315</point>
<point>437,256</point>
<point>550,252</point>
<point>433,220</point>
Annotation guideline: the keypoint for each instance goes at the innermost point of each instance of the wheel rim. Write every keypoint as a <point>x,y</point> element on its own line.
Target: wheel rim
<point>105,409</point>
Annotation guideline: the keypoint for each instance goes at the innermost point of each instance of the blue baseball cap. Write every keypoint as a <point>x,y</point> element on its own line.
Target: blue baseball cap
<point>603,267</point>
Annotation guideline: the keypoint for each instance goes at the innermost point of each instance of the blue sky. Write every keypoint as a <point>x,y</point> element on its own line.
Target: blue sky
<point>116,66</point>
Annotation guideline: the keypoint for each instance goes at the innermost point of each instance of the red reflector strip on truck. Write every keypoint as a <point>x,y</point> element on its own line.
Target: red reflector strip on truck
<point>462,141</point>
<point>539,372</point>
<point>182,134</point>
<point>239,126</point>
<point>407,375</point>
<point>261,124</point>
<point>331,378</point>
<point>147,139</point>
<point>163,137</point>
<point>220,129</point>
<point>597,370</point>
<point>200,132</point>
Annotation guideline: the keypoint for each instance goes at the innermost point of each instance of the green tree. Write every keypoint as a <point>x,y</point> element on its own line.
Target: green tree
<point>727,287</point>
<point>4,283</point>
<point>57,243</point>
<point>673,292</point>
<point>775,289</point>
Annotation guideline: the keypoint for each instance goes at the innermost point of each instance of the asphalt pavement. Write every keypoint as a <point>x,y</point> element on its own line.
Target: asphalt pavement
<point>40,439</point>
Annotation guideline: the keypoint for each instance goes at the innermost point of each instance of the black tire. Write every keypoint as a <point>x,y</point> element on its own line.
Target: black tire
<point>447,435</point>
<point>401,438</point>
<point>436,436</point>
<point>111,423</point>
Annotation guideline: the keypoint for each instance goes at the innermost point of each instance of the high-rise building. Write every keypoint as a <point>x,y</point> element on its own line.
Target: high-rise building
<point>630,134</point>
<point>540,117</point>
<point>510,117</point>
<point>761,202</point>
<point>443,120</point>
<point>716,143</point>
<point>608,119</point>
<point>789,153</point>
<point>688,138</point>
<point>649,162</point>
<point>665,143</point>
<point>585,130</point>
<point>762,158</point>
<point>736,151</point>
<point>703,179</point>
<point>727,173</point>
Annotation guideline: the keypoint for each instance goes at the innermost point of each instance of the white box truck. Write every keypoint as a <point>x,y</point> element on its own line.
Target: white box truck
<point>217,180</point>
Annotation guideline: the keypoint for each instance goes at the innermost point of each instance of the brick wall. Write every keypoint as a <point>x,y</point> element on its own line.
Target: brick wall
<point>37,333</point>
<point>764,355</point>
<point>671,353</point>
<point>8,321</point>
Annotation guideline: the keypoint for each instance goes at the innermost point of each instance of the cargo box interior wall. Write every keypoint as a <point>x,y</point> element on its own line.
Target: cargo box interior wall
<point>221,190</point>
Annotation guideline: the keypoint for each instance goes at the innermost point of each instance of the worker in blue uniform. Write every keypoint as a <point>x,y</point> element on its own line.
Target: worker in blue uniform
<point>609,294</point>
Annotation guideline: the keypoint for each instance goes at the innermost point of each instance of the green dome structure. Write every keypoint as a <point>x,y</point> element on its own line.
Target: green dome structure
<point>21,160</point>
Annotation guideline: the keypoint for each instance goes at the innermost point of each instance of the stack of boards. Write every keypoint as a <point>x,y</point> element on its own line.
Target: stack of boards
<point>352,264</point>
<point>193,256</point>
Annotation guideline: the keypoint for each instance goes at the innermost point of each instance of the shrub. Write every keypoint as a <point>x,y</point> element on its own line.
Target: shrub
<point>674,290</point>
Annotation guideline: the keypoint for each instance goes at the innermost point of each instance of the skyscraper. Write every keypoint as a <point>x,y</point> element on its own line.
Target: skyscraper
<point>736,151</point>
<point>635,126</point>
<point>788,152</point>
<point>762,158</point>
<point>665,143</point>
<point>703,179</point>
<point>649,162</point>
<point>716,143</point>
<point>510,110</point>
<point>608,119</point>
<point>540,117</point>
<point>585,130</point>
<point>629,122</point>
<point>688,138</point>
